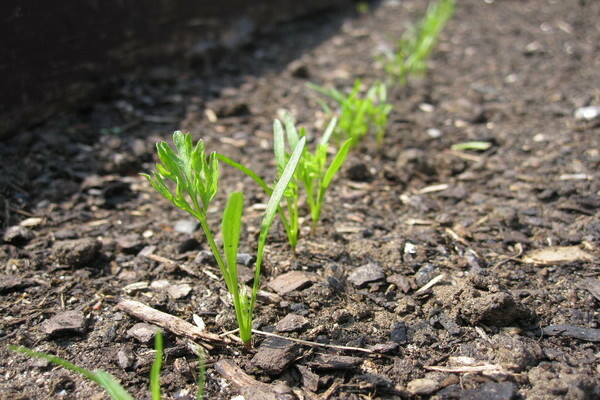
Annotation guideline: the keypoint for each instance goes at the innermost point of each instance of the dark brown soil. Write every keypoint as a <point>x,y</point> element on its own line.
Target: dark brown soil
<point>508,72</point>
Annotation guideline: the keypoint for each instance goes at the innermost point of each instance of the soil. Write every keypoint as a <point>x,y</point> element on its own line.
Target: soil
<point>424,255</point>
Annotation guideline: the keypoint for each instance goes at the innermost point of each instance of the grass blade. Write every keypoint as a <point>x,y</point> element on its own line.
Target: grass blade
<point>246,171</point>
<point>103,379</point>
<point>230,231</point>
<point>278,144</point>
<point>329,131</point>
<point>156,365</point>
<point>336,163</point>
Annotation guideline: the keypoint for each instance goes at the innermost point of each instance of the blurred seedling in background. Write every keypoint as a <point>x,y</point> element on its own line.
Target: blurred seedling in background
<point>196,179</point>
<point>357,114</point>
<point>107,382</point>
<point>415,46</point>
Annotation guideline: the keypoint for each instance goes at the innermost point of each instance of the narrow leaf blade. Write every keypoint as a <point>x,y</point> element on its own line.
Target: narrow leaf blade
<point>231,226</point>
<point>336,163</point>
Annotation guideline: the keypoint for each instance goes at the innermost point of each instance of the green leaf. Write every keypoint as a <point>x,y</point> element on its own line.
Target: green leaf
<point>290,129</point>
<point>329,131</point>
<point>105,380</point>
<point>111,386</point>
<point>278,144</point>
<point>336,163</point>
<point>277,194</point>
<point>230,229</point>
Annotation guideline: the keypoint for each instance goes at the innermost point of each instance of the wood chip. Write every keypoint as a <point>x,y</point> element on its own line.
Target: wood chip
<point>557,255</point>
<point>169,322</point>
<point>250,388</point>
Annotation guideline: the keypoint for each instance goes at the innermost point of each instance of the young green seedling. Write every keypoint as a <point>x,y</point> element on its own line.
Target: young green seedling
<point>313,171</point>
<point>196,179</point>
<point>416,44</point>
<point>357,114</point>
<point>107,382</point>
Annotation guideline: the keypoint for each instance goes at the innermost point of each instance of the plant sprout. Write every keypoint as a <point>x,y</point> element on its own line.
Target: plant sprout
<point>416,44</point>
<point>313,172</point>
<point>108,382</point>
<point>357,114</point>
<point>196,178</point>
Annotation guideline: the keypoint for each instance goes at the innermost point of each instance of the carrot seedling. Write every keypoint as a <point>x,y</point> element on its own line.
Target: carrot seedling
<point>196,180</point>
<point>415,46</point>
<point>108,382</point>
<point>357,115</point>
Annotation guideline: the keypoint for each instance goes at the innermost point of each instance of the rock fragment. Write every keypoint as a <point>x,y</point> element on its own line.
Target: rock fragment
<point>142,332</point>
<point>367,273</point>
<point>422,386</point>
<point>76,252</point>
<point>292,323</point>
<point>66,322</point>
<point>275,354</point>
<point>290,281</point>
<point>187,226</point>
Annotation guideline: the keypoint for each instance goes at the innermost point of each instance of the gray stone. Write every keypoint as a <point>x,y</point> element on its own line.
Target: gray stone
<point>367,273</point>
<point>187,226</point>
<point>291,323</point>
<point>244,259</point>
<point>275,354</point>
<point>179,291</point>
<point>76,252</point>
<point>66,322</point>
<point>125,359</point>
<point>384,348</point>
<point>142,332</point>
<point>422,386</point>
<point>130,244</point>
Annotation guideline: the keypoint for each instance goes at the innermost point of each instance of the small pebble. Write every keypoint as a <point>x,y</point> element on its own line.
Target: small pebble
<point>423,386</point>
<point>587,113</point>
<point>142,332</point>
<point>187,226</point>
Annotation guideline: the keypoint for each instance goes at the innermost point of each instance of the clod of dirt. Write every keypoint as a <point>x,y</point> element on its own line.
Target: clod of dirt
<point>291,323</point>
<point>554,381</point>
<point>310,380</point>
<point>179,291</point>
<point>400,281</point>
<point>288,282</point>
<point>298,69</point>
<point>493,309</point>
<point>76,252</point>
<point>130,244</point>
<point>333,361</point>
<point>521,352</point>
<point>422,386</point>
<point>275,354</point>
<point>18,235</point>
<point>359,173</point>
<point>67,322</point>
<point>384,348</point>
<point>365,274</point>
<point>125,358</point>
<point>399,333</point>
<point>142,332</point>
